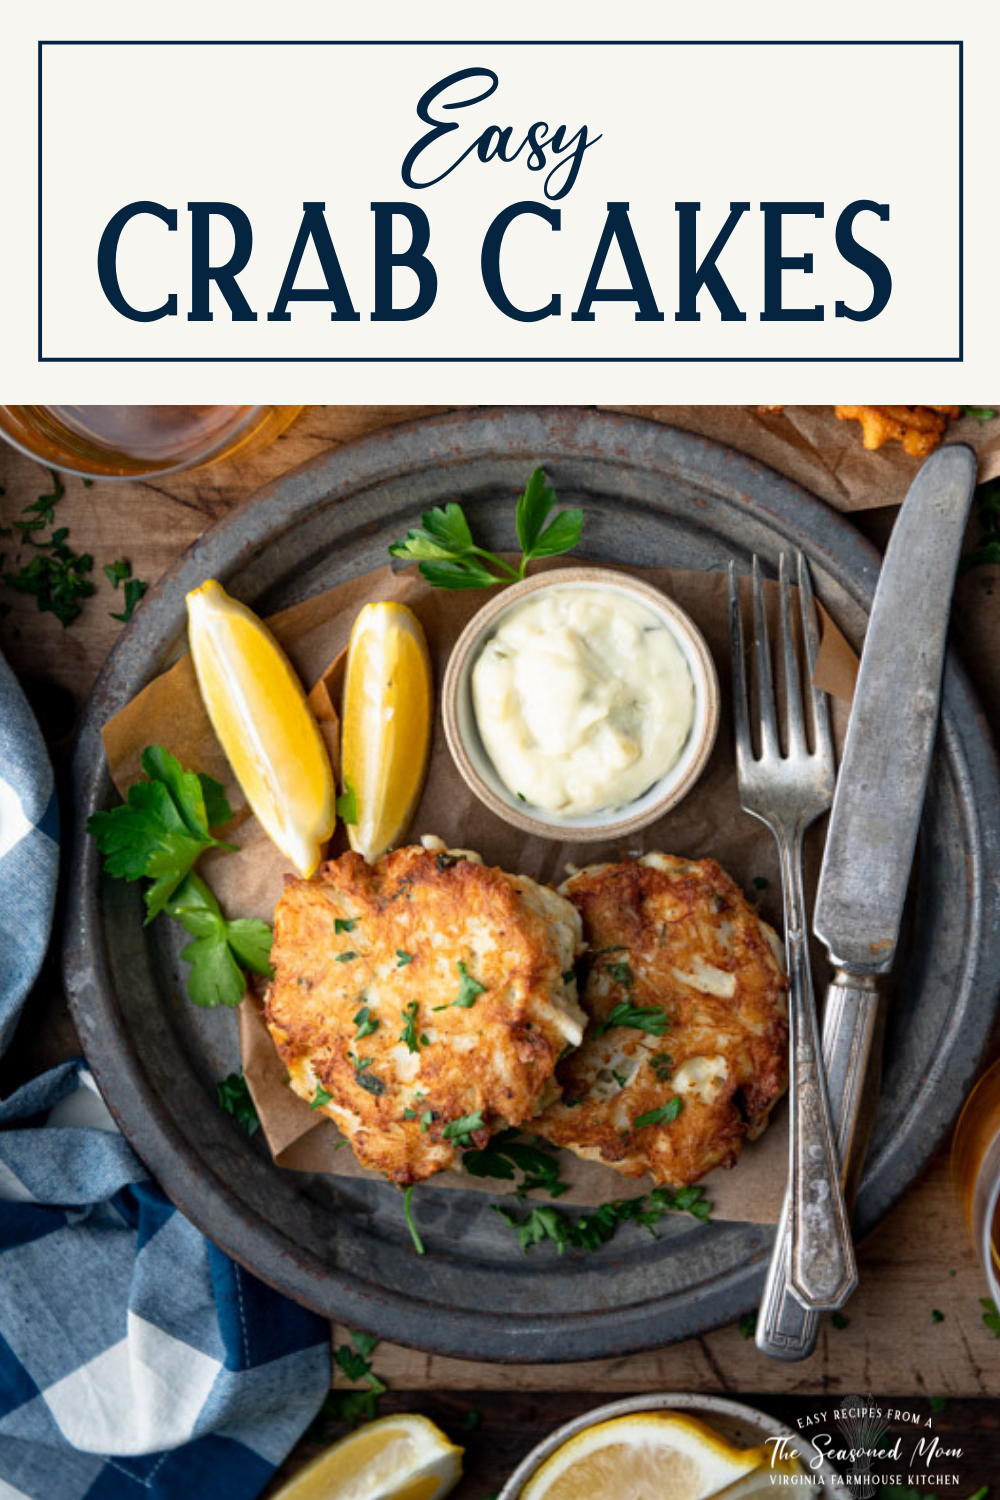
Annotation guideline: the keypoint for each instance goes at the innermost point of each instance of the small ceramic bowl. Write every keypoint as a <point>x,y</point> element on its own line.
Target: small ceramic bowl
<point>474,764</point>
<point>742,1425</point>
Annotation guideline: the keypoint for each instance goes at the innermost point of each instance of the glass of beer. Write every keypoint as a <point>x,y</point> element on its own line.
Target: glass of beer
<point>128,442</point>
<point>976,1166</point>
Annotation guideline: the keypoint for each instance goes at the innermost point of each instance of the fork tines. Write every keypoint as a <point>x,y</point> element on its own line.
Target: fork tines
<point>794,736</point>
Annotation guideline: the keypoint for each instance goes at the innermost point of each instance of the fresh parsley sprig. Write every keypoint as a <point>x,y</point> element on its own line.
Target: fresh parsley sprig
<point>162,827</point>
<point>158,834</point>
<point>449,558</point>
<point>222,950</point>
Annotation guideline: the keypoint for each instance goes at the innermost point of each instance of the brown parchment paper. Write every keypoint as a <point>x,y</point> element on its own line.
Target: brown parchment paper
<point>248,883</point>
<point>822,454</point>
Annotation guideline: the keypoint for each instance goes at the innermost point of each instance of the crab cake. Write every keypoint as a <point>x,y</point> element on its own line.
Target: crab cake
<point>687,1047</point>
<point>422,1002</point>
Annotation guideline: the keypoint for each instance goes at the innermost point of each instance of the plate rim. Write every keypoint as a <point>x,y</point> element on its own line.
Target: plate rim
<point>575,432</point>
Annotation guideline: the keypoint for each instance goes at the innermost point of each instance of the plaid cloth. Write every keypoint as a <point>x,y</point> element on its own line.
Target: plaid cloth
<point>137,1362</point>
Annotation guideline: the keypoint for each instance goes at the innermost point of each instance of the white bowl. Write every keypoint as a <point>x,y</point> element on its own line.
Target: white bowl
<point>741,1425</point>
<point>478,771</point>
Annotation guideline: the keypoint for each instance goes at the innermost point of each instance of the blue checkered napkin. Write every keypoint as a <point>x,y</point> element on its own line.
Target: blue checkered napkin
<point>29,849</point>
<point>137,1362</point>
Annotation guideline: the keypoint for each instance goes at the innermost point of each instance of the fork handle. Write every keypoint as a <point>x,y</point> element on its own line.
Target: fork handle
<point>785,1329</point>
<point>822,1269</point>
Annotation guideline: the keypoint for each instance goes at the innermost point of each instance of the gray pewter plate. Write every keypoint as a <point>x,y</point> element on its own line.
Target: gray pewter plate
<point>651,494</point>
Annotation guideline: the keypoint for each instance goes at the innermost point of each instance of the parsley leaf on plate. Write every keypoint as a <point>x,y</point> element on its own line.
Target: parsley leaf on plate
<point>233,1095</point>
<point>505,1156</point>
<point>162,827</point>
<point>591,1230</point>
<point>158,834</point>
<point>219,947</point>
<point>449,557</point>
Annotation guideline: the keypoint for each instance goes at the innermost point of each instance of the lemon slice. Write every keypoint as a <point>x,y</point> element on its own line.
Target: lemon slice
<point>647,1456</point>
<point>388,707</point>
<point>259,713</point>
<point>395,1458</point>
<point>769,1479</point>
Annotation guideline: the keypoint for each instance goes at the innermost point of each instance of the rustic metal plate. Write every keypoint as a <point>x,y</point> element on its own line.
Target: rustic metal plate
<point>651,494</point>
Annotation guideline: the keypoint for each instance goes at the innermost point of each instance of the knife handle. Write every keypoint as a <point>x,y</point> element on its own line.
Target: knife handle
<point>785,1329</point>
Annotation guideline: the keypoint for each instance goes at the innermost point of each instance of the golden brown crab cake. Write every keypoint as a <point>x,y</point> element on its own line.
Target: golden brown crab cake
<point>686,1050</point>
<point>422,1002</point>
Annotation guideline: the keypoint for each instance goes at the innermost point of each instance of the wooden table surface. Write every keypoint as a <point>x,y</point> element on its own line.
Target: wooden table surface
<point>918,1259</point>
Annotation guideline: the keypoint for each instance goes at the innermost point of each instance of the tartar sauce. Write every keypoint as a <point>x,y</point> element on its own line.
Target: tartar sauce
<point>583,699</point>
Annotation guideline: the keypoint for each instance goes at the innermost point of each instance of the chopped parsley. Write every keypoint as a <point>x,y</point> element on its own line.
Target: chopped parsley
<point>936,1316</point>
<point>619,1078</point>
<point>665,1115</point>
<point>469,991</point>
<point>426,1121</point>
<point>662,1065</point>
<point>120,572</point>
<point>347,806</point>
<point>343,924</point>
<point>761,882</point>
<point>233,1094</point>
<point>321,1097</point>
<point>568,976</point>
<point>346,958</point>
<point>460,1130</point>
<point>505,1156</point>
<point>839,1320</point>
<point>621,973</point>
<point>402,959</point>
<point>55,575</point>
<point>991,1317</point>
<point>418,1243</point>
<point>352,1406</point>
<point>981,413</point>
<point>589,1231</point>
<point>409,1032</point>
<point>369,1082</point>
<point>638,1017</point>
<point>748,1325</point>
<point>366,1023</point>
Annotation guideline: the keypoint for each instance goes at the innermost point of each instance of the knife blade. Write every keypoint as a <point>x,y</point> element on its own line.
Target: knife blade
<point>874,824</point>
<point>883,774</point>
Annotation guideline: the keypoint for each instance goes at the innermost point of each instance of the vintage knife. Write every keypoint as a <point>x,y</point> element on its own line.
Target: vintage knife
<point>875,819</point>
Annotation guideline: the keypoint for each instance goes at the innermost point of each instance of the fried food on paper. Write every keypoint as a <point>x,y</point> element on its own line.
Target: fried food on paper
<point>423,1002</point>
<point>919,429</point>
<point>686,998</point>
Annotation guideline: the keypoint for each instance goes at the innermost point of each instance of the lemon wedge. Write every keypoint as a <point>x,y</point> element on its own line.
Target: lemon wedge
<point>394,1458</point>
<point>648,1456</point>
<point>259,713</point>
<point>388,708</point>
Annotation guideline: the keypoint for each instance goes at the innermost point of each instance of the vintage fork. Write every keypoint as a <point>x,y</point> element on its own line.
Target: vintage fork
<point>788,786</point>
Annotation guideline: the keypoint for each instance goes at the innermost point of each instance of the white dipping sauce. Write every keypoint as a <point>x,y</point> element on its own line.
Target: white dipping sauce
<point>583,699</point>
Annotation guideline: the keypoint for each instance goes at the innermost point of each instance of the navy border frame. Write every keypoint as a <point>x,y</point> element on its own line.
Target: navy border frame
<point>536,359</point>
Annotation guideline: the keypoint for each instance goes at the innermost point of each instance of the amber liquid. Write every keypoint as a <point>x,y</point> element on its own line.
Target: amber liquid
<point>125,441</point>
<point>975,1164</point>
